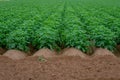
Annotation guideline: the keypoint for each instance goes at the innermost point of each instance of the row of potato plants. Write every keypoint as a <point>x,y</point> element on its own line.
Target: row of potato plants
<point>58,25</point>
<point>99,34</point>
<point>74,35</point>
<point>20,35</point>
<point>108,16</point>
<point>47,35</point>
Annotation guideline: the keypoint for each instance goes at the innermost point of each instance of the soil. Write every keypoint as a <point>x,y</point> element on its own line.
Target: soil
<point>102,52</point>
<point>60,68</point>
<point>15,54</point>
<point>46,53</point>
<point>73,52</point>
<point>99,67</point>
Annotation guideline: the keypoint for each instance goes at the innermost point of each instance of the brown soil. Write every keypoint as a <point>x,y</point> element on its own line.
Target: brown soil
<point>15,54</point>
<point>73,67</point>
<point>73,52</point>
<point>47,53</point>
<point>102,52</point>
<point>60,68</point>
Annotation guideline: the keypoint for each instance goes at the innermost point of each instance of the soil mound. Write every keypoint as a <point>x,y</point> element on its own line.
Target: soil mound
<point>15,54</point>
<point>47,53</point>
<point>103,52</point>
<point>60,68</point>
<point>4,59</point>
<point>73,52</point>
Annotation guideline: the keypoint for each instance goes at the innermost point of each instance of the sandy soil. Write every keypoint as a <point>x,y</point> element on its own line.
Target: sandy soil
<point>96,67</point>
<point>60,68</point>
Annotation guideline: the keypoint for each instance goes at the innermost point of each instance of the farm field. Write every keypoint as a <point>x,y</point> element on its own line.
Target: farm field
<point>59,24</point>
<point>59,39</point>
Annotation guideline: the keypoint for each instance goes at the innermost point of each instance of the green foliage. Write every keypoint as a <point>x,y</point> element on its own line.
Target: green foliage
<point>45,37</point>
<point>58,24</point>
<point>114,25</point>
<point>17,39</point>
<point>103,37</point>
<point>3,32</point>
<point>76,37</point>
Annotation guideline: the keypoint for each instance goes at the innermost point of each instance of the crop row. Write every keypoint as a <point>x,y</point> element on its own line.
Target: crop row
<point>58,25</point>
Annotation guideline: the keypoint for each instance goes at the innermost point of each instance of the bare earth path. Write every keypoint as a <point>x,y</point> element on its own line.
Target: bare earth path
<point>60,68</point>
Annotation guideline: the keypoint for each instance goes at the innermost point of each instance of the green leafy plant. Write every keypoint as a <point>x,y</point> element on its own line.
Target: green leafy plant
<point>76,37</point>
<point>103,37</point>
<point>45,37</point>
<point>18,39</point>
<point>57,24</point>
<point>3,32</point>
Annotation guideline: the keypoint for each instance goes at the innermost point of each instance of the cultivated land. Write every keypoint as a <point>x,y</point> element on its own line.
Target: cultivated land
<point>59,39</point>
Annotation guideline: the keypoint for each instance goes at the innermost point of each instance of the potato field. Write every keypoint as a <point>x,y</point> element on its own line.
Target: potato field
<point>58,24</point>
<point>59,39</point>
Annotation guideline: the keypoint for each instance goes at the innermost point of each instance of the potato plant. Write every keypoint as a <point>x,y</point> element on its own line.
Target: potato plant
<point>45,37</point>
<point>76,37</point>
<point>59,24</point>
<point>103,37</point>
<point>18,39</point>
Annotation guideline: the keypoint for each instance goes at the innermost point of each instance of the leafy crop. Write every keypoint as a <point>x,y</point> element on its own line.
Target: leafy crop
<point>103,37</point>
<point>76,37</point>
<point>57,24</point>
<point>45,37</point>
<point>18,39</point>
